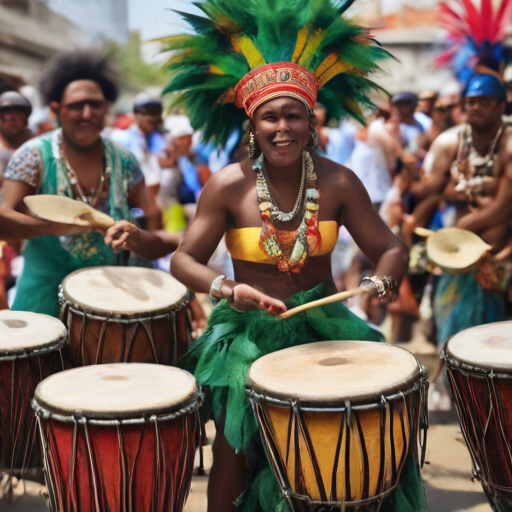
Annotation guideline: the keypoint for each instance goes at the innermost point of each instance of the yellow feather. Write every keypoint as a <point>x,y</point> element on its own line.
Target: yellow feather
<point>314,42</point>
<point>331,59</point>
<point>251,53</point>
<point>302,39</point>
<point>215,70</point>
<point>336,69</point>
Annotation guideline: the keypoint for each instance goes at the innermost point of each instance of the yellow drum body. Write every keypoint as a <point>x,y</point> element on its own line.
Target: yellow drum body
<point>348,450</point>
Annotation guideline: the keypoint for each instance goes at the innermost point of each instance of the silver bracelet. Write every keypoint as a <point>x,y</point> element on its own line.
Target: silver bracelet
<point>215,292</point>
<point>385,286</point>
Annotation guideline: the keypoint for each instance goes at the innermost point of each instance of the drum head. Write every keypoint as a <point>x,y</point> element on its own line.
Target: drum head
<point>117,391</point>
<point>22,332</point>
<point>486,346</point>
<point>123,290</point>
<point>331,372</point>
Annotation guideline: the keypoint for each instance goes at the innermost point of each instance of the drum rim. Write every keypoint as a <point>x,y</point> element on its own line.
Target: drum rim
<point>134,416</point>
<point>24,353</point>
<point>10,354</point>
<point>101,314</point>
<point>389,394</point>
<point>471,367</point>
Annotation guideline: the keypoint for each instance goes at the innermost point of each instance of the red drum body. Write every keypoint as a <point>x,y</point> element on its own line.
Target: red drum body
<point>125,314</point>
<point>130,447</point>
<point>29,352</point>
<point>479,369</point>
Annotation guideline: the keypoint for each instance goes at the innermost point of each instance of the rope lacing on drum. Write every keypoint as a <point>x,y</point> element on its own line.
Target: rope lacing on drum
<point>424,385</point>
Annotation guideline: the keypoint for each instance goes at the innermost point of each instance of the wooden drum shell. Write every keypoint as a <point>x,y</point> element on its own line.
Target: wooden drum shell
<point>140,468</point>
<point>484,406</point>
<point>19,377</point>
<point>94,339</point>
<point>333,467</point>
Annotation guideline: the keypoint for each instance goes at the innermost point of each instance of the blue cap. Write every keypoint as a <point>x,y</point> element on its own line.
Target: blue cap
<point>486,85</point>
<point>408,97</point>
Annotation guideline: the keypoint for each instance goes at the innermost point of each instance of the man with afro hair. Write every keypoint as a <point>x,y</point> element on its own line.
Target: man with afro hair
<point>75,160</point>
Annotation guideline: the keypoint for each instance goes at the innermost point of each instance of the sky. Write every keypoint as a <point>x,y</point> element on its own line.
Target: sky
<point>153,18</point>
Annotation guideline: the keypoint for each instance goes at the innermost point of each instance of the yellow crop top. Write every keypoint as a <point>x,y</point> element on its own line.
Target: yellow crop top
<point>244,243</point>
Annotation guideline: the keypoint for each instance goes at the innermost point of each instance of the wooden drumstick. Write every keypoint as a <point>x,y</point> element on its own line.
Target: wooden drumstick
<point>338,297</point>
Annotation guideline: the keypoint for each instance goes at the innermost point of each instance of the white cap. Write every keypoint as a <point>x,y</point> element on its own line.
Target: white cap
<point>177,126</point>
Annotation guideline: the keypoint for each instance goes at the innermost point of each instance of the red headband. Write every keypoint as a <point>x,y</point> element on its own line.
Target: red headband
<point>274,80</point>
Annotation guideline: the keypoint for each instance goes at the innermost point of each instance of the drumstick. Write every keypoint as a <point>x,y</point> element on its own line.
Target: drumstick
<point>338,297</point>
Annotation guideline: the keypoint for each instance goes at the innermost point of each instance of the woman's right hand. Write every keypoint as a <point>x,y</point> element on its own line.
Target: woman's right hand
<point>247,298</point>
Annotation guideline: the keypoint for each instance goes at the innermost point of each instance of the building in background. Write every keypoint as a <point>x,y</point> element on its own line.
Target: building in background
<point>409,29</point>
<point>33,30</point>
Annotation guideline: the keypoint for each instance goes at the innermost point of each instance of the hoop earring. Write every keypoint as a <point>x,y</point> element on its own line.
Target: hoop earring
<point>252,147</point>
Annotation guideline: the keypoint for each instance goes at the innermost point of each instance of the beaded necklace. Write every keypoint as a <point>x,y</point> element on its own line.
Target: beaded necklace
<point>94,196</point>
<point>269,211</point>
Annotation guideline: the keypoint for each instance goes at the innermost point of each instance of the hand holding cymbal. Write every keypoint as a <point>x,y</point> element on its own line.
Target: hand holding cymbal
<point>338,297</point>
<point>454,250</point>
<point>67,211</point>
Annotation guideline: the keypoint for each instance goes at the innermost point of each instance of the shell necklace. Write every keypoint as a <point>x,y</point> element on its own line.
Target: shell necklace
<point>269,211</point>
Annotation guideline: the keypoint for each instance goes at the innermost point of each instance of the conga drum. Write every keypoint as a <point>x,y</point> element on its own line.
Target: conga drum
<point>30,346</point>
<point>121,438</point>
<point>338,419</point>
<point>125,314</point>
<point>479,369</point>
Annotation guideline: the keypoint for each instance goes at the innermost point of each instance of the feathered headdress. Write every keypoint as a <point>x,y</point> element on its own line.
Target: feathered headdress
<point>293,47</point>
<point>474,36</point>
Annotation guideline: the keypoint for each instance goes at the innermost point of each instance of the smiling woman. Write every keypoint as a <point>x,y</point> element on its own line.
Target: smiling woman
<point>281,209</point>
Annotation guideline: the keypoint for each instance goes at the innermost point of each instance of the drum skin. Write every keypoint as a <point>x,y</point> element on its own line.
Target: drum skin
<point>18,434</point>
<point>133,468</point>
<point>484,408</point>
<point>95,341</point>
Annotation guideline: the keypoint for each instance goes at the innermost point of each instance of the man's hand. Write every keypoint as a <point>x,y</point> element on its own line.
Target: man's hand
<point>123,236</point>
<point>247,298</point>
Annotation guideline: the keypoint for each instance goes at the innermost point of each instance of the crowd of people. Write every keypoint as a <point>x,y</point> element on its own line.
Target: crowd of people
<point>404,155</point>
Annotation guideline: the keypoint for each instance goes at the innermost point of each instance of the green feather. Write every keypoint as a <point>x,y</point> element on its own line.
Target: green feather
<point>204,65</point>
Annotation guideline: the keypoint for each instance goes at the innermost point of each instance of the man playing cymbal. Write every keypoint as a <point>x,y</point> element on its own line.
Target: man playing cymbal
<point>77,162</point>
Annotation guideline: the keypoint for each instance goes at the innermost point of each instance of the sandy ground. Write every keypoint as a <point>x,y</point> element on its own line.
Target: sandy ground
<point>447,476</point>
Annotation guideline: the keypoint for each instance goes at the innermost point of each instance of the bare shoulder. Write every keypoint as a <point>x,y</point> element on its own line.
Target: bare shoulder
<point>448,139</point>
<point>330,171</point>
<point>335,178</point>
<point>229,178</point>
<point>507,141</point>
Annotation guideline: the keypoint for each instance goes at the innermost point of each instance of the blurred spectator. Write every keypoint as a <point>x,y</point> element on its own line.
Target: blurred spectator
<point>341,142</point>
<point>441,119</point>
<point>144,139</point>
<point>404,126</point>
<point>42,121</point>
<point>426,102</point>
<point>374,159</point>
<point>15,110</point>
<point>184,173</point>
<point>123,121</point>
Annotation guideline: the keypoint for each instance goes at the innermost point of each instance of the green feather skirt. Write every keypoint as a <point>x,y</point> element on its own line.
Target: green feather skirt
<point>220,361</point>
